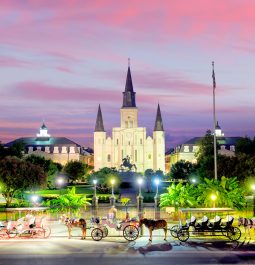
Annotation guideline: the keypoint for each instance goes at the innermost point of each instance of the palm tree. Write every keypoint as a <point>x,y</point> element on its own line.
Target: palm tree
<point>227,190</point>
<point>179,195</point>
<point>68,202</point>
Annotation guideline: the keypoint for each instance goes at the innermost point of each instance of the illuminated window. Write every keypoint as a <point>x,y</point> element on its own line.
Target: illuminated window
<point>232,148</point>
<point>186,148</point>
<point>117,141</point>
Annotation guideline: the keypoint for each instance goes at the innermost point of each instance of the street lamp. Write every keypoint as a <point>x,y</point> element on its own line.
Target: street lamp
<point>140,182</point>
<point>34,199</point>
<point>253,189</point>
<point>112,182</point>
<point>95,187</point>
<point>112,198</point>
<point>157,183</point>
<point>60,182</point>
<point>193,180</point>
<point>213,197</point>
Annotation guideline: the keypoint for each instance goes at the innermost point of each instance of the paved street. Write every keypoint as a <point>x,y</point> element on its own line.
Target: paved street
<point>115,250</point>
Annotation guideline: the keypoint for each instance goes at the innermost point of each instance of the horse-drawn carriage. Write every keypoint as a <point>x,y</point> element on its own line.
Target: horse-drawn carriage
<point>25,228</point>
<point>128,228</point>
<point>205,228</point>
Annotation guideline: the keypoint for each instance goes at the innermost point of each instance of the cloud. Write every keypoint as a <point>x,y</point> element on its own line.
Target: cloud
<point>6,61</point>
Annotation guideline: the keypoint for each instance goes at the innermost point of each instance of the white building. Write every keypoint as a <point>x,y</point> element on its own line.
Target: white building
<point>58,149</point>
<point>187,151</point>
<point>129,140</point>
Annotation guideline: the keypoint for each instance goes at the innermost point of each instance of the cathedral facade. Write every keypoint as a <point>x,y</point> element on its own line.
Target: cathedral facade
<point>129,143</point>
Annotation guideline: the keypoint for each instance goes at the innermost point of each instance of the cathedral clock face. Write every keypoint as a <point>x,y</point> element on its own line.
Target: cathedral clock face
<point>129,135</point>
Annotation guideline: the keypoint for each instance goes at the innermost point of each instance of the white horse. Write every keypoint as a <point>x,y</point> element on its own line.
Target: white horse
<point>248,224</point>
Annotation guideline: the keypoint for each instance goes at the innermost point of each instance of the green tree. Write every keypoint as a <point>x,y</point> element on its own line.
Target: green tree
<point>149,174</point>
<point>205,156</point>
<point>16,149</point>
<point>245,146</point>
<point>17,175</point>
<point>104,177</point>
<point>182,170</point>
<point>227,191</point>
<point>48,166</point>
<point>76,170</point>
<point>179,195</point>
<point>69,202</point>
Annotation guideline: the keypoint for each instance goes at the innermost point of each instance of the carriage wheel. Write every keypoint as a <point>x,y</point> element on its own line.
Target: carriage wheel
<point>105,231</point>
<point>183,235</point>
<point>234,233</point>
<point>97,234</point>
<point>47,232</point>
<point>4,233</point>
<point>37,232</point>
<point>174,230</point>
<point>12,233</point>
<point>130,233</point>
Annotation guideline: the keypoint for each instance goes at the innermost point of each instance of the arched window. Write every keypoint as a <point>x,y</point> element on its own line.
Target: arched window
<point>109,158</point>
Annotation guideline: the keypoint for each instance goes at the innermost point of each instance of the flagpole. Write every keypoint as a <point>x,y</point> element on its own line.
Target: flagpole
<point>214,121</point>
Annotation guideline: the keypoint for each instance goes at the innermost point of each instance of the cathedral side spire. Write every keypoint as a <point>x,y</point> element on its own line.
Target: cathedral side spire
<point>158,123</point>
<point>129,94</point>
<point>99,122</point>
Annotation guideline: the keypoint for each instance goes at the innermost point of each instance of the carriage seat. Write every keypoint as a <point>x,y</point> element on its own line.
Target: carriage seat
<point>228,222</point>
<point>95,220</point>
<point>203,222</point>
<point>191,221</point>
<point>215,222</point>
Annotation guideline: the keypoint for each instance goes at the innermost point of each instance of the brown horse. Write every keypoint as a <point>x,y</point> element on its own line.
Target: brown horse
<point>72,222</point>
<point>154,225</point>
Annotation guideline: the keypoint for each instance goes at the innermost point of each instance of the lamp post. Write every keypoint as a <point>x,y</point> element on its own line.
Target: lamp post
<point>112,198</point>
<point>253,189</point>
<point>95,199</point>
<point>60,182</point>
<point>156,201</point>
<point>193,180</point>
<point>213,197</point>
<point>139,198</point>
<point>34,199</point>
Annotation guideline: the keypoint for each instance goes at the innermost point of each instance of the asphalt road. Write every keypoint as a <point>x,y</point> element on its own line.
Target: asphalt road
<point>115,250</point>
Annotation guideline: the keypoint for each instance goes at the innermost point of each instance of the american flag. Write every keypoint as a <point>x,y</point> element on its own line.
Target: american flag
<point>213,76</point>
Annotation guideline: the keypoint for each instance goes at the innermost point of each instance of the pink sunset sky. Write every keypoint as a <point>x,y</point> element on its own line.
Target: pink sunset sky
<point>59,59</point>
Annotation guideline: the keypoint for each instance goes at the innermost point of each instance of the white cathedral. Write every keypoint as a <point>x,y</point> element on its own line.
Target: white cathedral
<point>129,141</point>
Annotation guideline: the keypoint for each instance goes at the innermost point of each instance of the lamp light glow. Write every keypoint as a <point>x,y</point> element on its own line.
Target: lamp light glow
<point>213,197</point>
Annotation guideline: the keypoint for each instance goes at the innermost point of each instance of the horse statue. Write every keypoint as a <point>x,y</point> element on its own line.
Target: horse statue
<point>126,164</point>
<point>154,225</point>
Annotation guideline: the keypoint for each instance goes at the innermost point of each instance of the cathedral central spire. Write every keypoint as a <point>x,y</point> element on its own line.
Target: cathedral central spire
<point>129,94</point>
<point>158,122</point>
<point>99,123</point>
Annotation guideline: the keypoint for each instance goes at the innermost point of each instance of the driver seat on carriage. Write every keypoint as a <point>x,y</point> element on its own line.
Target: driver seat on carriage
<point>228,222</point>
<point>191,221</point>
